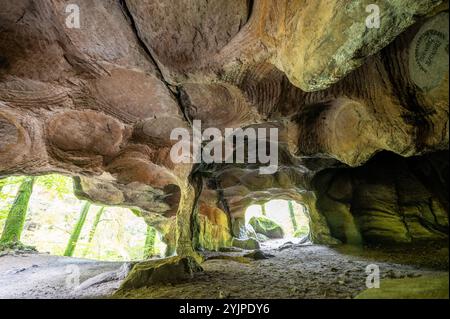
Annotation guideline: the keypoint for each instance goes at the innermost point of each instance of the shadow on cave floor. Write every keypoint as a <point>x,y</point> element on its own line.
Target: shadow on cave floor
<point>296,271</point>
<point>36,275</point>
<point>307,271</point>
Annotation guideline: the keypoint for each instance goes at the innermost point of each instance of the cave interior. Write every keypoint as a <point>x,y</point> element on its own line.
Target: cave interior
<point>361,113</point>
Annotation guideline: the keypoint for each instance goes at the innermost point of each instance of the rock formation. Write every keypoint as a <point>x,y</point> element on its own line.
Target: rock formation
<point>362,112</point>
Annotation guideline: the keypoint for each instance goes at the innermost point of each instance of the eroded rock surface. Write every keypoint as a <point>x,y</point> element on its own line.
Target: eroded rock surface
<point>390,199</point>
<point>170,270</point>
<point>99,103</point>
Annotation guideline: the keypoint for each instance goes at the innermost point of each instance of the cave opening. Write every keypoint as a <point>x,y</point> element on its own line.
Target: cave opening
<point>337,130</point>
<point>278,221</point>
<point>56,222</point>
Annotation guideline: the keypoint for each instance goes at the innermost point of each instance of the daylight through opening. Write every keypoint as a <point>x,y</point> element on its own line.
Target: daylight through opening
<point>278,219</point>
<point>58,223</point>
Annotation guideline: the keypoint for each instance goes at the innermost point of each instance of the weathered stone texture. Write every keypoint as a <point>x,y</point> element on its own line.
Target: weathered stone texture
<point>99,103</point>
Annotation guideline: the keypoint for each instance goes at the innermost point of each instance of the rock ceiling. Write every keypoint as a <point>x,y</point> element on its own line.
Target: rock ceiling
<point>100,101</point>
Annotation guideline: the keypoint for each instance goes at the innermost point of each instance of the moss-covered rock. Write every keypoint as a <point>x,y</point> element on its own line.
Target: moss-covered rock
<point>388,200</point>
<point>170,270</point>
<point>214,231</point>
<point>16,246</point>
<point>267,227</point>
<point>243,230</point>
<point>262,238</point>
<point>427,287</point>
<point>249,243</point>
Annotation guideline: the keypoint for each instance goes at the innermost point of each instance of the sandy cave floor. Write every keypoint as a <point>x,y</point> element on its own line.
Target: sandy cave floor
<point>298,271</point>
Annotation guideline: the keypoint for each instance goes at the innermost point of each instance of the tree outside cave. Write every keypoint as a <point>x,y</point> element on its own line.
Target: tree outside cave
<point>54,214</point>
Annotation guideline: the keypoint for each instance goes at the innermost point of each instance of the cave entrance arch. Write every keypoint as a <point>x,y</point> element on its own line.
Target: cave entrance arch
<point>279,219</point>
<point>105,233</point>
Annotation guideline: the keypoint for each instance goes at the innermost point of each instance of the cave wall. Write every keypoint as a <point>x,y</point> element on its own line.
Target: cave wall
<point>390,199</point>
<point>214,228</point>
<point>99,103</point>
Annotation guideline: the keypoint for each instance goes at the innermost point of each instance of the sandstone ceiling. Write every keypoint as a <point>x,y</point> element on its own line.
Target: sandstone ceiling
<point>99,102</point>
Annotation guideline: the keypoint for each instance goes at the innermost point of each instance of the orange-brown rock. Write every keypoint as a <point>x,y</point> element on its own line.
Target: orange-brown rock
<point>99,103</point>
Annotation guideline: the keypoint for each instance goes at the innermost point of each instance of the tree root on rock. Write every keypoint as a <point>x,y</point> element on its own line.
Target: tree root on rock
<point>169,270</point>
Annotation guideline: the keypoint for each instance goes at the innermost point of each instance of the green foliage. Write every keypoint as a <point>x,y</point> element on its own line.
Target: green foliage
<point>13,181</point>
<point>301,231</point>
<point>110,234</point>
<point>57,185</point>
<point>136,212</point>
<point>3,213</point>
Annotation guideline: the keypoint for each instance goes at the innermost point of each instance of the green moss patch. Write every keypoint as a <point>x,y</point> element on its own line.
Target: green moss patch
<point>426,287</point>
